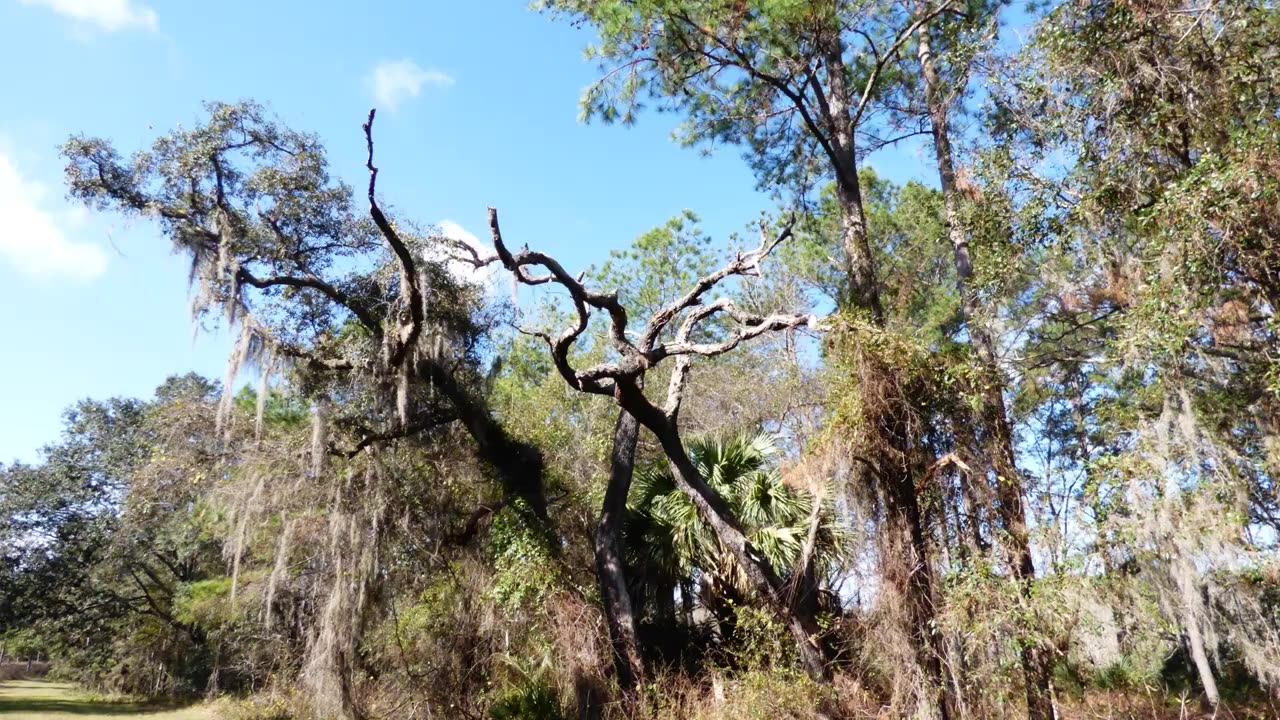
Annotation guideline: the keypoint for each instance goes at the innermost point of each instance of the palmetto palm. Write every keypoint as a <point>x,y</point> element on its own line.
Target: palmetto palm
<point>669,546</point>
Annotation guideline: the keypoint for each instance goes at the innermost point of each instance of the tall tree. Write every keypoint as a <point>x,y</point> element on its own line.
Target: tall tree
<point>796,84</point>
<point>622,379</point>
<point>647,276</point>
<point>1160,106</point>
<point>945,51</point>
<point>376,334</point>
<point>101,551</point>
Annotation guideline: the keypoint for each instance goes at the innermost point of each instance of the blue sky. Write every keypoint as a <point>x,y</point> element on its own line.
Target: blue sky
<point>477,107</point>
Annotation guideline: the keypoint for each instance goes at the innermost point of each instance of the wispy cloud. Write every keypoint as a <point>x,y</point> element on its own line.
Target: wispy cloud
<point>32,240</point>
<point>462,270</point>
<point>394,81</point>
<point>107,15</point>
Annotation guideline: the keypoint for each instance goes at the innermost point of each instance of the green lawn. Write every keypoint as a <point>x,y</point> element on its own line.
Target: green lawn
<point>39,700</point>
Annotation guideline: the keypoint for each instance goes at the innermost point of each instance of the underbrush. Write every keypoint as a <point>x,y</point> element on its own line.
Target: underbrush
<point>23,670</point>
<point>1154,704</point>
<point>755,695</point>
<point>263,706</point>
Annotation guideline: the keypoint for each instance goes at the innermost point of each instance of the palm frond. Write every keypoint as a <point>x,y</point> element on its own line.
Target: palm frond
<point>669,542</point>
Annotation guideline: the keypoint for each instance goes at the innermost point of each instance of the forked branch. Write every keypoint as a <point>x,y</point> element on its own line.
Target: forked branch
<point>608,378</point>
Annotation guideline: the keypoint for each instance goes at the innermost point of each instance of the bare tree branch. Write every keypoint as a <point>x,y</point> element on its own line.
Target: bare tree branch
<point>607,378</point>
<point>583,301</point>
<point>750,326</point>
<point>743,264</point>
<point>408,333</point>
<point>472,256</point>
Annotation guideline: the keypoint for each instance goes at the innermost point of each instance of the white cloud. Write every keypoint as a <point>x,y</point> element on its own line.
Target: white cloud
<point>107,15</point>
<point>394,81</point>
<point>463,270</point>
<point>30,237</point>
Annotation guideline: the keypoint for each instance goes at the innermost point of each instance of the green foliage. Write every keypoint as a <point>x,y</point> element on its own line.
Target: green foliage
<point>879,371</point>
<point>908,237</point>
<point>760,643</point>
<point>666,537</point>
<point>281,409</point>
<point>119,566</point>
<point>735,71</point>
<point>1127,673</point>
<point>206,603</point>
<point>23,643</point>
<point>659,266</point>
<point>531,701</point>
<point>525,572</point>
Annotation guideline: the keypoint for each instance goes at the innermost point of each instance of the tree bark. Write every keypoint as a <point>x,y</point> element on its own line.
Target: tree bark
<point>519,467</point>
<point>864,290</point>
<point>610,571</point>
<point>913,575</point>
<point>902,509</point>
<point>1195,639</point>
<point>1009,491</point>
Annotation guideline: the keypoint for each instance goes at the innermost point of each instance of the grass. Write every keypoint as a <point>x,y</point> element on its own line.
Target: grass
<point>40,700</point>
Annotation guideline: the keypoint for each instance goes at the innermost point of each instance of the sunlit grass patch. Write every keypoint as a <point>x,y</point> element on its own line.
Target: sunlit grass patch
<point>40,700</point>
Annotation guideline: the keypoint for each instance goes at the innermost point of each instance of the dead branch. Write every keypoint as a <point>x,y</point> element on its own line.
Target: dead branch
<point>408,333</point>
<point>605,378</point>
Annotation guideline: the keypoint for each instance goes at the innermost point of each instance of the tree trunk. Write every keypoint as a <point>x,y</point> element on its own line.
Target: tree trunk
<point>899,492</point>
<point>609,563</point>
<point>1009,492</point>
<point>1036,667</point>
<point>864,293</point>
<point>967,449</point>
<point>1195,640</point>
<point>864,290</point>
<point>913,576</point>
<point>212,686</point>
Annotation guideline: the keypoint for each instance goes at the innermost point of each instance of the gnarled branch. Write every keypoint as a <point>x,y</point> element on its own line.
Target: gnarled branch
<point>408,334</point>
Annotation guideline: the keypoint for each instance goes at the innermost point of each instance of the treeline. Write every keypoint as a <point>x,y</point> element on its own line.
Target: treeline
<point>1000,446</point>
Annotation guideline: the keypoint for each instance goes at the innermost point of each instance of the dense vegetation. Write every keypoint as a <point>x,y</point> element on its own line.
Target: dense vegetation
<point>1001,446</point>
